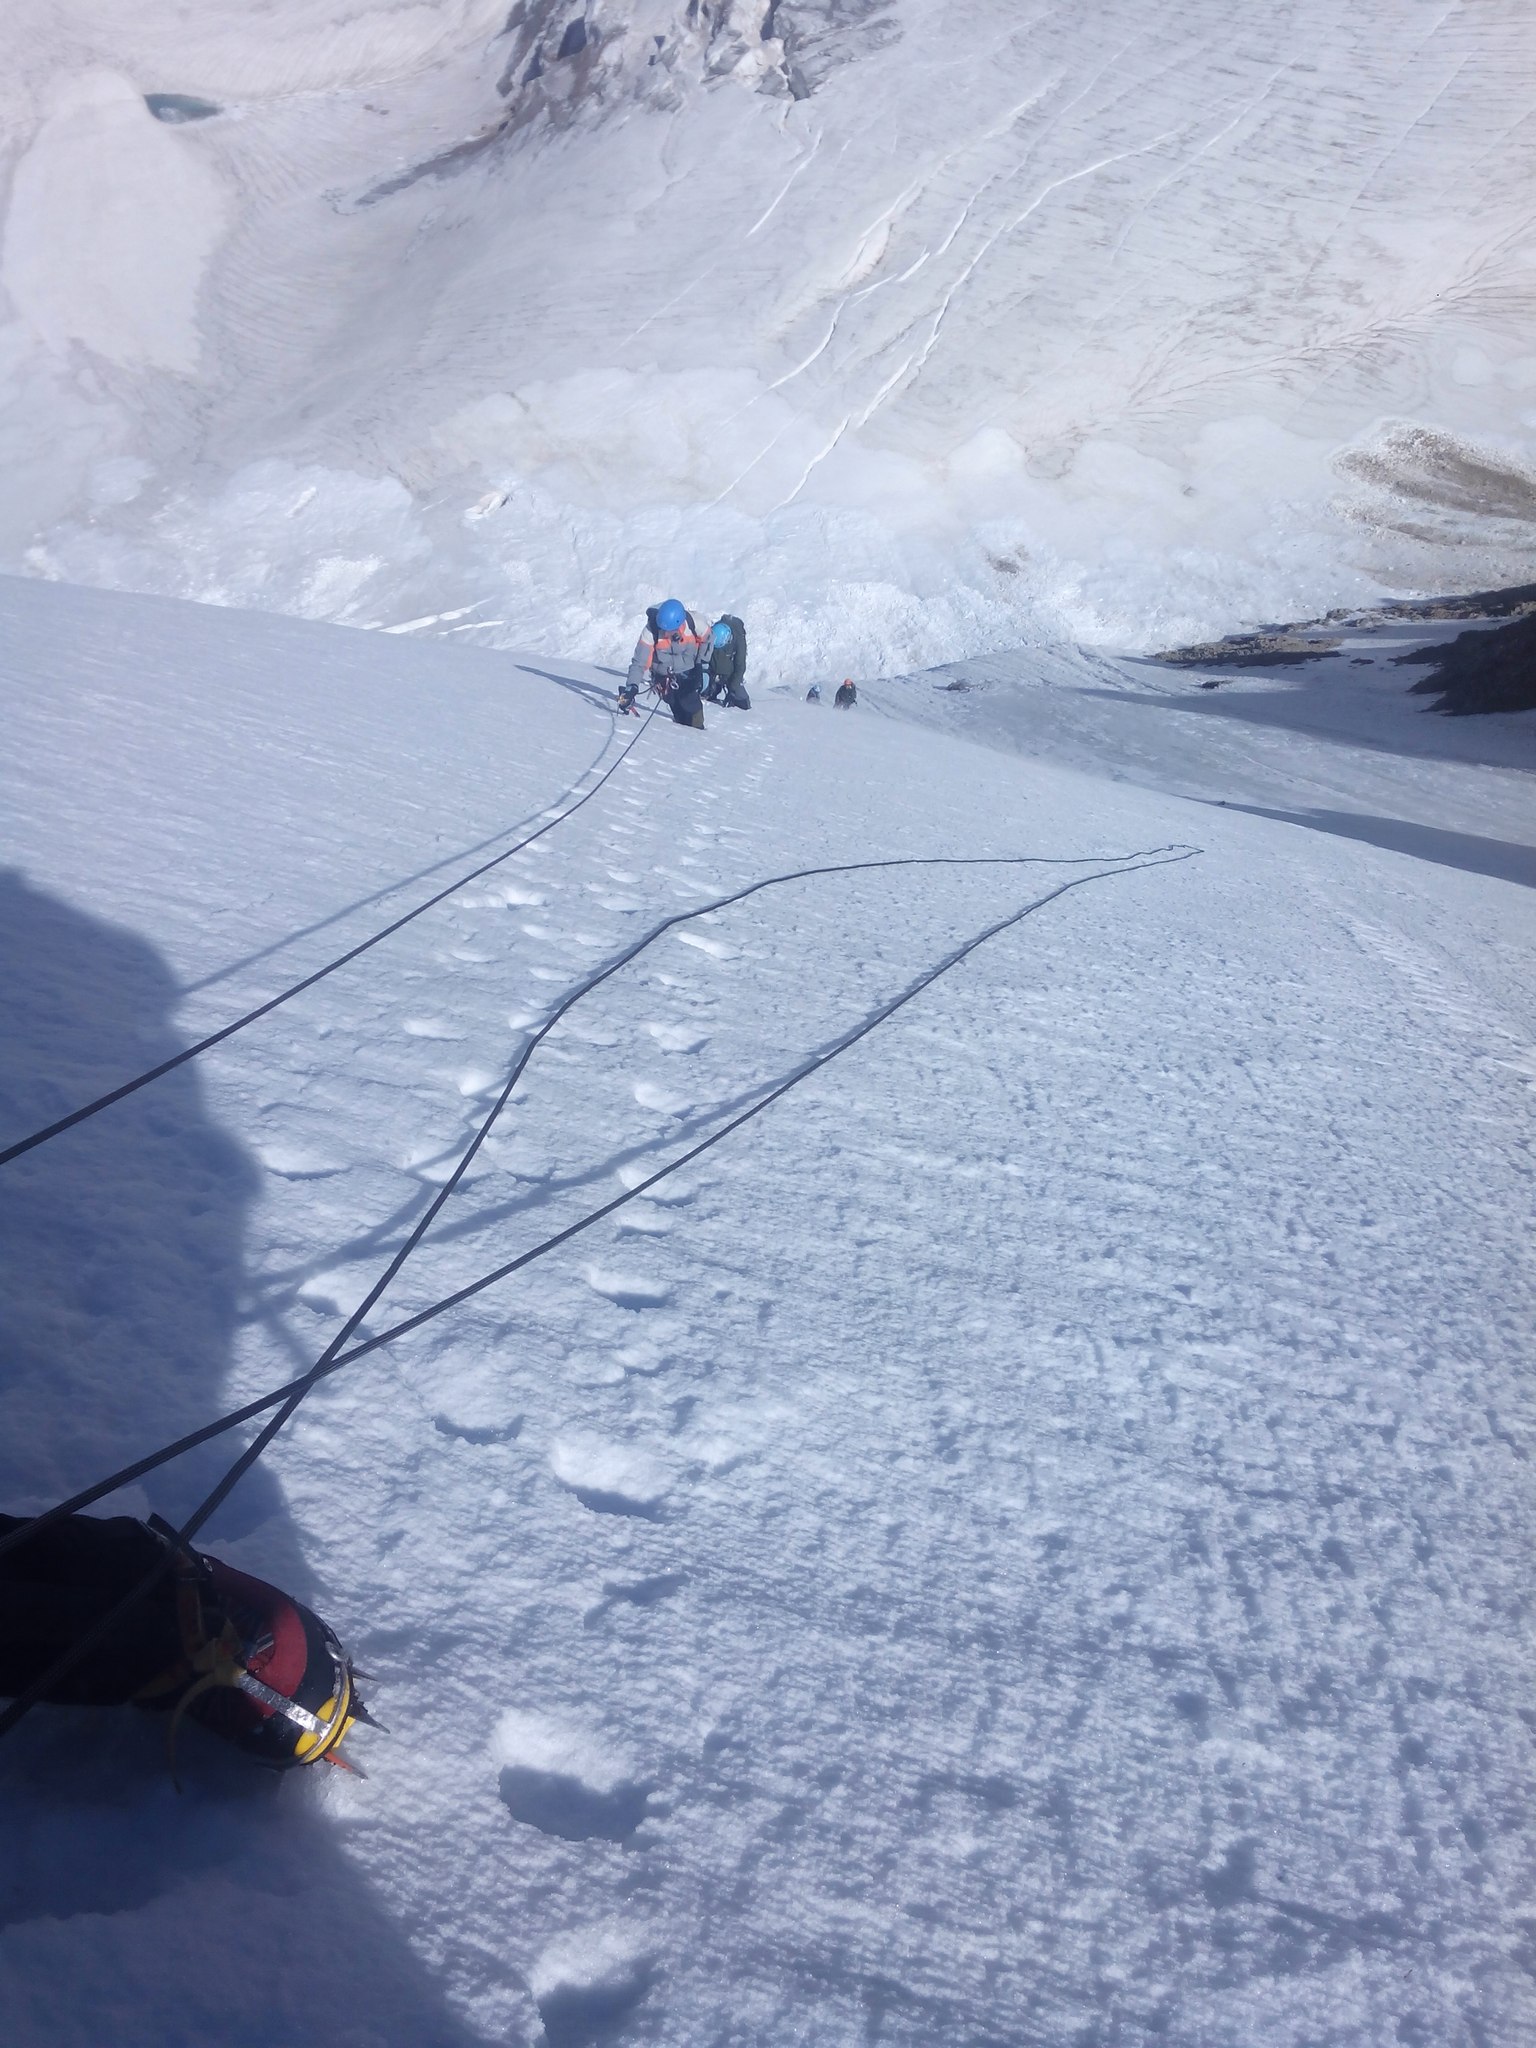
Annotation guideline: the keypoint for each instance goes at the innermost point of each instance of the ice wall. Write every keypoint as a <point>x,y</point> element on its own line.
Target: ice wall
<point>909,327</point>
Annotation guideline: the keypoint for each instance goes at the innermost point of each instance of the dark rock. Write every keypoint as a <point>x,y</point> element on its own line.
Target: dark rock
<point>1479,672</point>
<point>1275,647</point>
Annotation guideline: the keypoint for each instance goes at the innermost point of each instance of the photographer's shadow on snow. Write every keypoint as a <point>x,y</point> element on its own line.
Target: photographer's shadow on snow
<point>121,1259</point>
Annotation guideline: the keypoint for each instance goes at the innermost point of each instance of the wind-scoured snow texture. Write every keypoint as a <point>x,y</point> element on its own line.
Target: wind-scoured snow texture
<point>907,330</point>
<point>1029,1541</point>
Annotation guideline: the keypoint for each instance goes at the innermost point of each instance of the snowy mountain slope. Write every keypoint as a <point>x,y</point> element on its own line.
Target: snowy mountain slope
<point>1025,1542</point>
<point>908,330</point>
<point>1340,728</point>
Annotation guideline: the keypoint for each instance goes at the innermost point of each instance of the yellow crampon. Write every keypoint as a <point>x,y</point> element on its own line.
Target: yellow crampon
<point>319,1735</point>
<point>216,1663</point>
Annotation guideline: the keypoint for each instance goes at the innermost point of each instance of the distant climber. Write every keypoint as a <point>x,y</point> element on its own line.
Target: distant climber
<point>847,696</point>
<point>669,657</point>
<point>813,694</point>
<point>728,664</point>
<point>246,1661</point>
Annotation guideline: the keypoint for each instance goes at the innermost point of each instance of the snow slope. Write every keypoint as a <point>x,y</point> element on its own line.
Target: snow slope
<point>1026,1542</point>
<point>908,328</point>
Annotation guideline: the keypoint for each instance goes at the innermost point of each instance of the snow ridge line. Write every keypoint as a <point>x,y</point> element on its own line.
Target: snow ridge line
<point>333,1358</point>
<point>191,1052</point>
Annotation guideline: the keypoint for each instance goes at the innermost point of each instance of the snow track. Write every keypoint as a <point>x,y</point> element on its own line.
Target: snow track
<point>298,1165</point>
<point>1025,1543</point>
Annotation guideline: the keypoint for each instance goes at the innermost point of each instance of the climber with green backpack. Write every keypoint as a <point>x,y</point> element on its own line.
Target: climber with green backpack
<point>728,664</point>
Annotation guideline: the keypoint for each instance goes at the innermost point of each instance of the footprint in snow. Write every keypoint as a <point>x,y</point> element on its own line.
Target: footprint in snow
<point>644,1221</point>
<point>610,1479</point>
<point>430,1027</point>
<point>678,1037</point>
<point>628,1290</point>
<point>588,1984</point>
<point>717,949</point>
<point>336,1293</point>
<point>299,1162</point>
<point>471,1399</point>
<point>644,1359</point>
<point>635,1172</point>
<point>650,1096</point>
<point>558,1803</point>
<point>478,1081</point>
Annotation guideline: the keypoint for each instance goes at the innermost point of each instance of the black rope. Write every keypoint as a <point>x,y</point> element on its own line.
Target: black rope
<point>1158,856</point>
<point>287,1399</point>
<point>191,1052</point>
<point>332,1359</point>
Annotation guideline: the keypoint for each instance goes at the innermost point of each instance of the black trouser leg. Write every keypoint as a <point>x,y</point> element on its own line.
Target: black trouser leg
<point>58,1585</point>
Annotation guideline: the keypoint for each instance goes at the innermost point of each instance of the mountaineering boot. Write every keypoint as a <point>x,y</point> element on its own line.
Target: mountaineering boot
<point>243,1658</point>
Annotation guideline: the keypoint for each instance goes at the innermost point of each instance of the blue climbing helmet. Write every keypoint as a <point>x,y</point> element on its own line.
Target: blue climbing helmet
<point>720,634</point>
<point>672,616</point>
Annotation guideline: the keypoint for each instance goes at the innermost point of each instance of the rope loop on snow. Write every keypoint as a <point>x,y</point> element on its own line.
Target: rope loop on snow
<point>286,1400</point>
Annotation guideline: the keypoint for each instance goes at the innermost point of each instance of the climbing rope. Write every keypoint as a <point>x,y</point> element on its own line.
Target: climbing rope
<point>286,1400</point>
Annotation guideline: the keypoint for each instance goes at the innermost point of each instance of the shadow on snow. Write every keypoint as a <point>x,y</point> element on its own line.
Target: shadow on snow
<point>122,1248</point>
